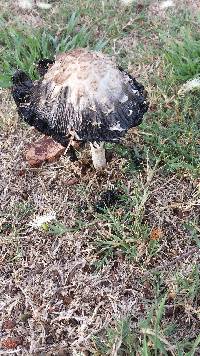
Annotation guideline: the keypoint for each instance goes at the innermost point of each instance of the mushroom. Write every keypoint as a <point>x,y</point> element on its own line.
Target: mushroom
<point>82,96</point>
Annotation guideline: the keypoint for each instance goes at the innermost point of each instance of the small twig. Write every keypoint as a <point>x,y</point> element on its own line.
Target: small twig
<point>185,207</point>
<point>143,133</point>
<point>183,256</point>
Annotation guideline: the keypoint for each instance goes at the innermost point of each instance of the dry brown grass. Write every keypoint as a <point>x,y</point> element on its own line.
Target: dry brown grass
<point>53,298</point>
<point>49,285</point>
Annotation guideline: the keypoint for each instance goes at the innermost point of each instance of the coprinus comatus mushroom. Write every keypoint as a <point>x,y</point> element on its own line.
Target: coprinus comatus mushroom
<point>82,96</point>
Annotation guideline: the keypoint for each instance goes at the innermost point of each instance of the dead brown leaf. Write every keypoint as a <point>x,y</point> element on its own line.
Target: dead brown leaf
<point>156,233</point>
<point>11,343</point>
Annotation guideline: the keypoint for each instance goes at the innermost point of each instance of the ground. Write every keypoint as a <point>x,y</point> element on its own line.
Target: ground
<point>116,272</point>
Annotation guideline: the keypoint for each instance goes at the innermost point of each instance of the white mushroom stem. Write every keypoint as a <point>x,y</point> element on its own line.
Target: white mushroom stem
<point>98,155</point>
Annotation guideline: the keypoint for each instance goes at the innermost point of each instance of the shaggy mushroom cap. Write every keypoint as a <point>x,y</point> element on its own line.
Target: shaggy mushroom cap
<point>84,94</point>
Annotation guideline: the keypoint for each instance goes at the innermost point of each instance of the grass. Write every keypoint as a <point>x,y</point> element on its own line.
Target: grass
<point>176,129</point>
<point>119,337</point>
<point>175,145</point>
<point>120,278</point>
<point>123,228</point>
<point>152,335</point>
<point>30,48</point>
<point>184,55</point>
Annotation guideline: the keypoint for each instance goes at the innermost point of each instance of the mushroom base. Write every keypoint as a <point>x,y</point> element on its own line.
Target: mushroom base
<point>98,155</point>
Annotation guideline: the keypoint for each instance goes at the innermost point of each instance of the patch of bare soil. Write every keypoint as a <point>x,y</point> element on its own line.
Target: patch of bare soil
<point>52,297</point>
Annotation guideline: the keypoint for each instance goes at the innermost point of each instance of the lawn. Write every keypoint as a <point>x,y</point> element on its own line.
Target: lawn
<point>116,270</point>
